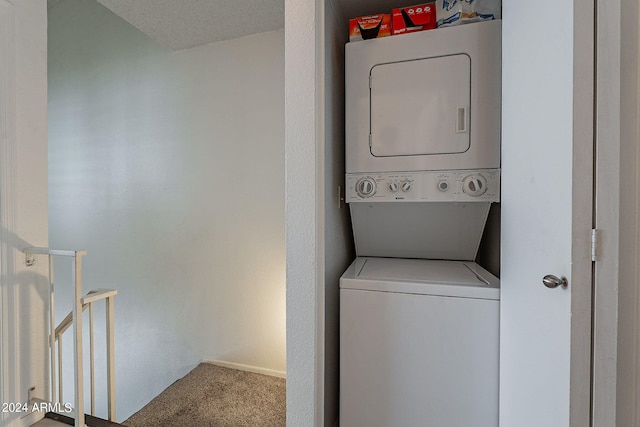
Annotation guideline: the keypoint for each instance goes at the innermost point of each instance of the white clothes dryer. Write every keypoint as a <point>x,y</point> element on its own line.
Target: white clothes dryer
<point>418,344</point>
<point>424,101</point>
<point>422,140</point>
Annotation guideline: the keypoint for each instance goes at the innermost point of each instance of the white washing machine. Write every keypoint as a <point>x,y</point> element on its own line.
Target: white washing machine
<point>418,344</point>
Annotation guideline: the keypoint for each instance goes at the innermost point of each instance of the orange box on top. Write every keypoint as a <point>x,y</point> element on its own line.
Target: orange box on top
<point>370,27</point>
<point>413,18</point>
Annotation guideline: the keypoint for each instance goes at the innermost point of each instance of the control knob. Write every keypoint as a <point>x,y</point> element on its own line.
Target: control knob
<point>393,186</point>
<point>366,187</point>
<point>405,186</point>
<point>474,185</point>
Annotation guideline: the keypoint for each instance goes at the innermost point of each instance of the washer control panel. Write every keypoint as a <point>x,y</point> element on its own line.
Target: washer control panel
<point>481,185</point>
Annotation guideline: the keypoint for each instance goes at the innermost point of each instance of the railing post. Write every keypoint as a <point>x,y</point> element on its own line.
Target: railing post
<point>77,340</point>
<point>111,370</point>
<point>52,333</point>
<point>60,370</point>
<point>91,362</point>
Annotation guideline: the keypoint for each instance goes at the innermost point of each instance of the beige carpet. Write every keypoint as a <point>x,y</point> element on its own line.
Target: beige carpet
<point>211,395</point>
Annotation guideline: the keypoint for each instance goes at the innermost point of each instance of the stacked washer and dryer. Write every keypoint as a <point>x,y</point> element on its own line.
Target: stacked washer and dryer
<point>419,319</point>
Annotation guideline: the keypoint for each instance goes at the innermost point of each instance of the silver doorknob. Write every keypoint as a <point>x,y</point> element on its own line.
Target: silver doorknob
<point>551,281</point>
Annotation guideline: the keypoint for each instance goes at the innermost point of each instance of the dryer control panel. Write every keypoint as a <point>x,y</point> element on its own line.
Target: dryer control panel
<point>480,185</point>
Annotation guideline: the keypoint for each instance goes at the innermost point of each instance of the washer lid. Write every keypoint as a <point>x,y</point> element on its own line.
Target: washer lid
<point>420,276</point>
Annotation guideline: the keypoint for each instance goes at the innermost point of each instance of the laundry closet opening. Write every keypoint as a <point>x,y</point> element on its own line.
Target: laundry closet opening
<point>167,166</point>
<point>340,250</point>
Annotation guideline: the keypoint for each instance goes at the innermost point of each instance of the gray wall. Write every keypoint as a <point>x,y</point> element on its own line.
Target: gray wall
<point>338,240</point>
<point>168,167</point>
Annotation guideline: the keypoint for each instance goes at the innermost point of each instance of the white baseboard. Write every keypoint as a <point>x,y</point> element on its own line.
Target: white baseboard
<point>249,368</point>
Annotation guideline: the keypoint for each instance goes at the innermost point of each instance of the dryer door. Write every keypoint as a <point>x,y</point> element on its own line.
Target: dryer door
<point>420,107</point>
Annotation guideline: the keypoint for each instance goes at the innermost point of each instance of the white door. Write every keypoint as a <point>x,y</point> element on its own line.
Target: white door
<point>546,212</point>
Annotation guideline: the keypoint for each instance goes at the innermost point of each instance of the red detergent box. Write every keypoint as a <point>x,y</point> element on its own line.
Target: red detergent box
<point>413,18</point>
<point>369,27</point>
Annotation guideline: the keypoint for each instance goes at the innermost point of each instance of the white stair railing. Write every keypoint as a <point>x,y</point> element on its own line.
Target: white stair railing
<point>74,318</point>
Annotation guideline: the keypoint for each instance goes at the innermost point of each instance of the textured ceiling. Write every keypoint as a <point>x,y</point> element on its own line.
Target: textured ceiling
<point>183,24</point>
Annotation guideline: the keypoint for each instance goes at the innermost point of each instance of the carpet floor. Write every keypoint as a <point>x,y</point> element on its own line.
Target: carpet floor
<point>213,396</point>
